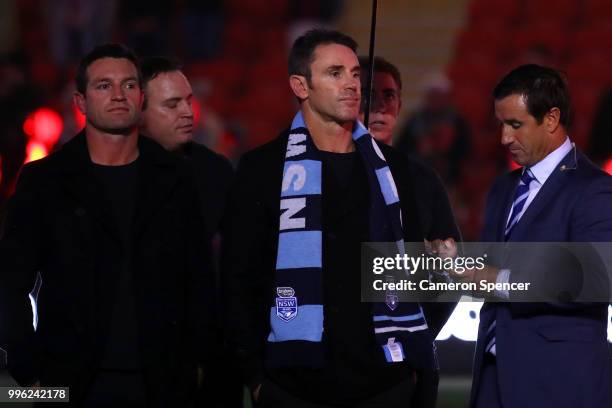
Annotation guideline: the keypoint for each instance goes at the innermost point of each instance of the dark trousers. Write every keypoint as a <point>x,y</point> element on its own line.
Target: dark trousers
<point>426,390</point>
<point>117,389</point>
<point>487,395</point>
<point>399,396</point>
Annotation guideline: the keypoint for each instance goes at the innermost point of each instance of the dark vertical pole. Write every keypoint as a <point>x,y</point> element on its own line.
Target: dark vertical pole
<point>368,87</point>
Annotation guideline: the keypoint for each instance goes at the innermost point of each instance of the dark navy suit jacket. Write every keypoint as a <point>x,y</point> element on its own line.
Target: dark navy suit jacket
<point>550,355</point>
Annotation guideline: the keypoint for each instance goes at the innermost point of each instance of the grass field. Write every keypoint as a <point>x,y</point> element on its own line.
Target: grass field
<point>454,392</point>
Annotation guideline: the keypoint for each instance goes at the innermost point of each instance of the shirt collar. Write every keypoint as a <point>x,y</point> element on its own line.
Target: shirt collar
<point>358,128</point>
<point>544,168</point>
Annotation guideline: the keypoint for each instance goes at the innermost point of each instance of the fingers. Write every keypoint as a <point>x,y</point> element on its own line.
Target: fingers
<point>433,246</point>
<point>445,248</point>
<point>450,247</point>
<point>256,393</point>
<point>428,246</point>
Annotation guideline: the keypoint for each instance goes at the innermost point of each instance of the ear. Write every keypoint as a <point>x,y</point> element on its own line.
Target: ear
<point>552,120</point>
<point>399,106</point>
<point>142,97</point>
<point>79,101</point>
<point>299,86</point>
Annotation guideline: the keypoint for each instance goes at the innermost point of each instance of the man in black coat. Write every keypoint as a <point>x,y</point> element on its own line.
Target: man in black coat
<point>111,225</point>
<point>167,117</point>
<point>292,249</point>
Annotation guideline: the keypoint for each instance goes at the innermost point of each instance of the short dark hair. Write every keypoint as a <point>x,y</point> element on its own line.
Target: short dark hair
<point>110,50</point>
<point>543,88</point>
<point>381,65</point>
<point>153,66</point>
<point>302,51</point>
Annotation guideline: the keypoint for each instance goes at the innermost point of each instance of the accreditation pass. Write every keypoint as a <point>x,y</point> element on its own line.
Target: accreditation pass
<point>34,394</point>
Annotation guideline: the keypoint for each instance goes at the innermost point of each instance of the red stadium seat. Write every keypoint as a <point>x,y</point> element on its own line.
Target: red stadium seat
<point>595,11</point>
<point>269,99</point>
<point>474,103</point>
<point>546,35</point>
<point>263,12</point>
<point>271,40</point>
<point>474,67</point>
<point>491,36</point>
<point>239,39</point>
<point>225,77</point>
<point>590,68</point>
<point>585,98</point>
<point>564,12</point>
<point>272,68</point>
<point>227,72</point>
<point>592,38</point>
<point>509,10</point>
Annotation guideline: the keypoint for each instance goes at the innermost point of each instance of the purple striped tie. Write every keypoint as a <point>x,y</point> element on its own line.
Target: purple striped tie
<point>520,198</point>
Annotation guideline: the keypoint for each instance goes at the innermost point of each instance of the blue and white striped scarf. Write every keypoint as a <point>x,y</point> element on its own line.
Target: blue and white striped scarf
<point>296,316</point>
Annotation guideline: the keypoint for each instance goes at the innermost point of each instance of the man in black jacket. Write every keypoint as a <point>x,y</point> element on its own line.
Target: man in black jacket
<point>292,290</point>
<point>167,117</point>
<point>111,225</point>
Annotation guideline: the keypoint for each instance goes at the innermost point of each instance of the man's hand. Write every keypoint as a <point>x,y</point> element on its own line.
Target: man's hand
<point>443,248</point>
<point>256,393</point>
<point>448,249</point>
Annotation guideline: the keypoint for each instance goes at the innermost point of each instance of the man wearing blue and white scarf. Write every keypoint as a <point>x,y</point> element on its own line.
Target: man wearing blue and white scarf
<point>299,210</point>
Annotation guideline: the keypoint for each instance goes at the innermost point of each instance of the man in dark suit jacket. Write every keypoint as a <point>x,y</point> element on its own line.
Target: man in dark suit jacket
<point>111,225</point>
<point>167,117</point>
<point>342,362</point>
<point>542,354</point>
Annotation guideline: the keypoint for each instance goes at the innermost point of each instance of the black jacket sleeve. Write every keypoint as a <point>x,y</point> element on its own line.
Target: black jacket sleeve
<point>434,206</point>
<point>21,246</point>
<point>199,270</point>
<point>246,238</point>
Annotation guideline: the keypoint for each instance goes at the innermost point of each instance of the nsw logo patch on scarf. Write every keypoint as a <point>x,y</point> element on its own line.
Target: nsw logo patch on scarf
<point>286,304</point>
